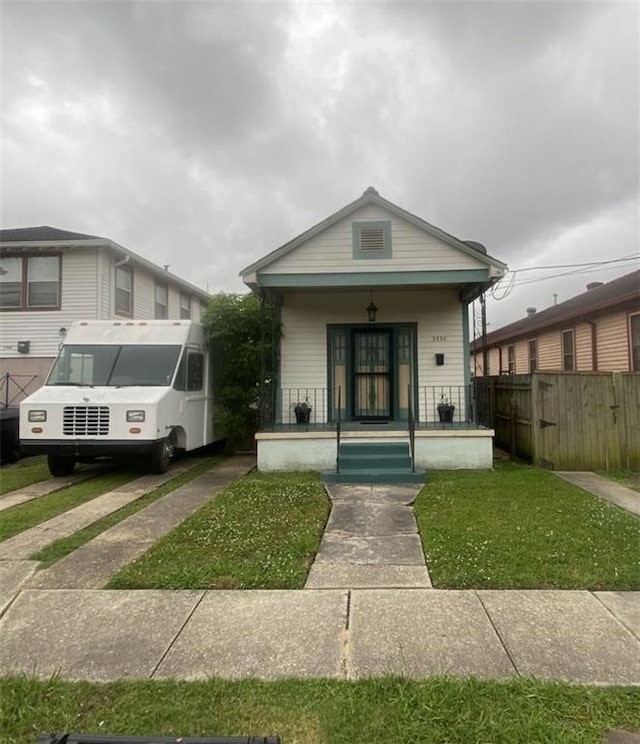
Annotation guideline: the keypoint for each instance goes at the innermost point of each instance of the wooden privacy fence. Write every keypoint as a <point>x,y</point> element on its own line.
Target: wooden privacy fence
<point>565,420</point>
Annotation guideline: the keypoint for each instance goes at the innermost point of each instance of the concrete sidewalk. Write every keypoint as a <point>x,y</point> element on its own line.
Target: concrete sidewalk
<point>575,636</point>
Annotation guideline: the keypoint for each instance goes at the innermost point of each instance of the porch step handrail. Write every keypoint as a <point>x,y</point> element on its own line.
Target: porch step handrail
<point>412,429</point>
<point>338,429</point>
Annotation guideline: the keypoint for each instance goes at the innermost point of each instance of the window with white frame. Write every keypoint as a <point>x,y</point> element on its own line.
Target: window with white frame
<point>634,341</point>
<point>185,305</point>
<point>533,355</point>
<point>123,299</point>
<point>30,282</point>
<point>568,351</point>
<point>161,301</point>
<point>511,358</point>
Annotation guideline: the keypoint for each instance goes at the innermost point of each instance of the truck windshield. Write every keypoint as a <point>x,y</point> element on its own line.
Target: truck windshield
<point>114,365</point>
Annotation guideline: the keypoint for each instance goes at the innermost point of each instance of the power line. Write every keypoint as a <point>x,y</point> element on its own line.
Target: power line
<point>505,286</point>
<point>630,257</point>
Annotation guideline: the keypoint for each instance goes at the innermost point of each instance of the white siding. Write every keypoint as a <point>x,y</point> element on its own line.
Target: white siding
<point>305,318</point>
<point>105,291</point>
<point>412,250</point>
<point>87,292</point>
<point>43,327</point>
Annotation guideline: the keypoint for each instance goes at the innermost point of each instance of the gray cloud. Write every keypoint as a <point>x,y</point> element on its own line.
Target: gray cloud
<point>203,135</point>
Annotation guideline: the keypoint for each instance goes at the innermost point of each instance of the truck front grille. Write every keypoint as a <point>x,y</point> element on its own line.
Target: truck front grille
<point>85,421</point>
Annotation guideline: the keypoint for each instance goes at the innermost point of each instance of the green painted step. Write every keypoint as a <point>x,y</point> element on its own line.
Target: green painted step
<point>380,462</point>
<point>374,448</point>
<point>374,462</point>
<point>375,476</point>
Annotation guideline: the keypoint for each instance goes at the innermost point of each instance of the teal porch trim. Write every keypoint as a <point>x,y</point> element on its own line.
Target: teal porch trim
<point>374,278</point>
<point>465,347</point>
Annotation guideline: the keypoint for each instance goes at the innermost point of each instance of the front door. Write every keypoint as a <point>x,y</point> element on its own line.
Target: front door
<point>372,379</point>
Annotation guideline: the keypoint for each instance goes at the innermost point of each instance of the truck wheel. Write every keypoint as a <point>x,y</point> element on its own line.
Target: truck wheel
<point>60,465</point>
<point>161,456</point>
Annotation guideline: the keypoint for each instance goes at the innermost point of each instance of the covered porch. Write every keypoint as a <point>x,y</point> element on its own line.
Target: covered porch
<point>436,439</point>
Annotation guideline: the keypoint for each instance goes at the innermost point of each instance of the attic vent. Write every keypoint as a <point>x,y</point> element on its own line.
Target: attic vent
<point>372,239</point>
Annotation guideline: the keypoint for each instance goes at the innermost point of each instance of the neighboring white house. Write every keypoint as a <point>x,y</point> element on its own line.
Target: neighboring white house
<point>373,304</point>
<point>50,277</point>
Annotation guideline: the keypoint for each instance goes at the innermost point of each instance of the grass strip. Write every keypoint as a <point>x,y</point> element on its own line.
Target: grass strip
<point>66,545</point>
<point>627,478</point>
<point>23,473</point>
<point>389,710</point>
<point>520,527</point>
<point>261,532</point>
<point>21,517</point>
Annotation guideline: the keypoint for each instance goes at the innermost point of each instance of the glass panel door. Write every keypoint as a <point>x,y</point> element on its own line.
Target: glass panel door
<point>372,375</point>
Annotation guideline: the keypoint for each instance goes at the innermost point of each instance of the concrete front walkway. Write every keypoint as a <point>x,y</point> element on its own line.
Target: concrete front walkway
<point>371,540</point>
<point>575,636</point>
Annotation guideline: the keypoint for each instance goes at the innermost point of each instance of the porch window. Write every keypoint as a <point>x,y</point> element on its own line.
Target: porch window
<point>568,351</point>
<point>405,361</point>
<point>338,352</point>
<point>372,240</point>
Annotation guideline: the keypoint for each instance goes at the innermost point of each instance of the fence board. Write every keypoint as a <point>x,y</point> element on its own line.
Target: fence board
<point>567,421</point>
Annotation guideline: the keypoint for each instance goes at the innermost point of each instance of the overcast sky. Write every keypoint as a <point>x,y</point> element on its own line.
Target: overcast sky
<point>205,134</point>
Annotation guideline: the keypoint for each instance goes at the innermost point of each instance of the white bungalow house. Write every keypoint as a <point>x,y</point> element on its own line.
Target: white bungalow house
<point>50,277</point>
<point>373,305</point>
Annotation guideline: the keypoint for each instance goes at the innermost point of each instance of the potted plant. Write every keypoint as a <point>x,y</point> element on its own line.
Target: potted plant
<point>445,410</point>
<point>303,412</point>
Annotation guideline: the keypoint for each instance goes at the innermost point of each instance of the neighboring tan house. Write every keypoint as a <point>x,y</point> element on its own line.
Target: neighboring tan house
<point>51,277</point>
<point>373,304</point>
<point>596,331</point>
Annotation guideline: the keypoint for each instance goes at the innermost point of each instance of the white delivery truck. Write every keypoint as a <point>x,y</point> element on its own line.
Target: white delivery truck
<point>137,387</point>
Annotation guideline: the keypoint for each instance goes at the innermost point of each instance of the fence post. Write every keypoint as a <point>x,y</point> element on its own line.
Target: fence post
<point>513,413</point>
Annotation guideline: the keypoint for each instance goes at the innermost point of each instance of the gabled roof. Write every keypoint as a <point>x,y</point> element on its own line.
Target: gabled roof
<point>371,196</point>
<point>594,301</point>
<point>27,238</point>
<point>44,233</point>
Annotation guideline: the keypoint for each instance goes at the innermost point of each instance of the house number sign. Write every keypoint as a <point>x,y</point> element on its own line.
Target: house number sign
<point>438,338</point>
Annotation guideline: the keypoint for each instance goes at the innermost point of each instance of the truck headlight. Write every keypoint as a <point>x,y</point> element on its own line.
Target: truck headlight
<point>135,416</point>
<point>37,416</point>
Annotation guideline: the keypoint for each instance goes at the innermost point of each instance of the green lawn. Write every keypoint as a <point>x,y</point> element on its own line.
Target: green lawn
<point>23,473</point>
<point>522,527</point>
<point>262,532</point>
<point>393,710</point>
<point>66,545</point>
